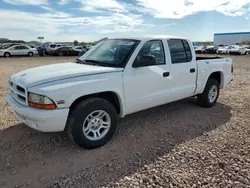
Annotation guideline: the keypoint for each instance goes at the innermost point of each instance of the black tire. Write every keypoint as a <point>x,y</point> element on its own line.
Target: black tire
<point>60,54</point>
<point>7,54</point>
<point>203,99</point>
<point>30,54</point>
<point>78,115</point>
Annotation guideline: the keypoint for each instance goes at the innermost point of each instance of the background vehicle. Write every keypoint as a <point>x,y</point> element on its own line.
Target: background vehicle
<point>18,50</point>
<point>87,47</point>
<point>51,47</point>
<point>210,50</point>
<point>108,82</point>
<point>239,50</point>
<point>64,51</point>
<point>200,49</point>
<point>80,49</point>
<point>223,50</point>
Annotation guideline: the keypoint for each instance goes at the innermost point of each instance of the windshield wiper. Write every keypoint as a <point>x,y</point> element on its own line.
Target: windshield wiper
<point>79,61</point>
<point>94,62</point>
<point>88,62</point>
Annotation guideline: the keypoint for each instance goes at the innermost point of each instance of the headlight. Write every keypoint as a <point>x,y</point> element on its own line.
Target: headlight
<point>40,102</point>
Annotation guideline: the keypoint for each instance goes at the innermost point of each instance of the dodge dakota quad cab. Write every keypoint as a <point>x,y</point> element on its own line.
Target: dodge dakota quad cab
<point>115,78</point>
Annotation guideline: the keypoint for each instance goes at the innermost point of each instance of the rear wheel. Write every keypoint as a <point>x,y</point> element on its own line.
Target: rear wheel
<point>92,123</point>
<point>210,94</point>
<point>7,54</point>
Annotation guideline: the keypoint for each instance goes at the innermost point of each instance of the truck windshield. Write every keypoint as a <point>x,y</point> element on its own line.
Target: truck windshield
<point>113,52</point>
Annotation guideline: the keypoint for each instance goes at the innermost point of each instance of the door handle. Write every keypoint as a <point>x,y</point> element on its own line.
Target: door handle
<point>166,74</point>
<point>192,70</point>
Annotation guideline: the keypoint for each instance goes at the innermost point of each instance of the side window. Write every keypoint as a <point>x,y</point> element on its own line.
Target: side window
<point>23,47</point>
<point>188,50</point>
<point>63,49</point>
<point>16,48</point>
<point>177,51</point>
<point>153,48</point>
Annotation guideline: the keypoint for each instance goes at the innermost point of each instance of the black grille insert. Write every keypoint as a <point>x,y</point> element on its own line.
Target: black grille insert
<point>20,89</point>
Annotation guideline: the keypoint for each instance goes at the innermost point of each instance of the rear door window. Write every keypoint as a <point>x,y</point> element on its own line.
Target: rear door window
<point>23,47</point>
<point>180,51</point>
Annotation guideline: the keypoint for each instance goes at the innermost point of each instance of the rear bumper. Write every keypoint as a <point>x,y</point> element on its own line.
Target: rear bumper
<point>41,120</point>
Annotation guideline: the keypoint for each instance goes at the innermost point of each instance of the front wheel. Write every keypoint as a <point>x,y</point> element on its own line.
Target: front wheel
<point>210,94</point>
<point>30,54</point>
<point>92,123</point>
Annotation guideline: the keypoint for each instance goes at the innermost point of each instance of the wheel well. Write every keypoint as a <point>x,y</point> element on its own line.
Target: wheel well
<point>216,76</point>
<point>109,96</point>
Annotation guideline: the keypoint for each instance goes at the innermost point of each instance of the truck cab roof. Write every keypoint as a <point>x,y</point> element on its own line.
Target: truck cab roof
<point>146,38</point>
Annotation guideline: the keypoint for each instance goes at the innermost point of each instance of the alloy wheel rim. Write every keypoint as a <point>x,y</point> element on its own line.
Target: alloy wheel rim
<point>96,125</point>
<point>212,94</point>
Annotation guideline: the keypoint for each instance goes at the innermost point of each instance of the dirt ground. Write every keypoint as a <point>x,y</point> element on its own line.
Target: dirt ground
<point>175,145</point>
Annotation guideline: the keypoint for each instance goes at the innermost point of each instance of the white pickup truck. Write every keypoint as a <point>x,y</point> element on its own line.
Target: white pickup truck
<point>115,78</point>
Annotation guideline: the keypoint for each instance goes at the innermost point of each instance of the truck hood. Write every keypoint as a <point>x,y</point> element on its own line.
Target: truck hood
<point>43,74</point>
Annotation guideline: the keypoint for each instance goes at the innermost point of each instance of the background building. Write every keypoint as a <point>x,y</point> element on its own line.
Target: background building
<point>231,38</point>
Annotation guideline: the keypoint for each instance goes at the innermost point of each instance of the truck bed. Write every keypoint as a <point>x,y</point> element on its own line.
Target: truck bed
<point>207,58</point>
<point>207,65</point>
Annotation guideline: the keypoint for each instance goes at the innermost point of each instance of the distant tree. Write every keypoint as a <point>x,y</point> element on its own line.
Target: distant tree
<point>83,43</point>
<point>91,43</point>
<point>76,42</point>
<point>246,42</point>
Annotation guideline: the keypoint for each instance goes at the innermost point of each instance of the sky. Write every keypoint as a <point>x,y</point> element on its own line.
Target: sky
<point>91,20</point>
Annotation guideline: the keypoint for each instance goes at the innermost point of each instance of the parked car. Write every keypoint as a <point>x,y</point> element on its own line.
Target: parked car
<point>18,50</point>
<point>80,49</point>
<point>239,50</point>
<point>115,78</point>
<point>223,50</point>
<point>200,49</point>
<point>86,48</point>
<point>51,47</point>
<point>65,51</point>
<point>210,50</point>
<point>32,46</point>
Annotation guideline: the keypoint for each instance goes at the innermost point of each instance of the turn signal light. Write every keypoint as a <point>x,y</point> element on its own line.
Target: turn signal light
<point>43,106</point>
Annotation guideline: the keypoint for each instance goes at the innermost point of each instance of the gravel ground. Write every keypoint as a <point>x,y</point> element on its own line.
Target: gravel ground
<point>175,145</point>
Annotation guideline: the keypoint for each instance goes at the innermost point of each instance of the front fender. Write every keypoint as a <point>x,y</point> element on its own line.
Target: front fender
<point>65,92</point>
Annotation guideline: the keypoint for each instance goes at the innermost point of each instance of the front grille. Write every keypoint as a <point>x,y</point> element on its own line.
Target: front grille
<point>18,92</point>
<point>20,89</point>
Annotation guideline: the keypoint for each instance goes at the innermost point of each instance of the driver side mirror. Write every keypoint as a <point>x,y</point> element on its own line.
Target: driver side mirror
<point>144,61</point>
